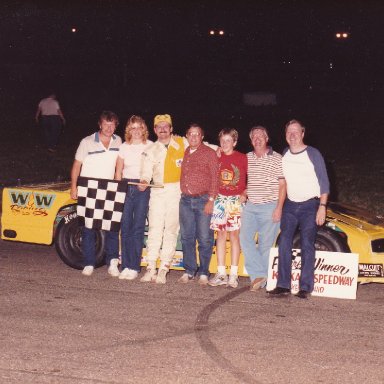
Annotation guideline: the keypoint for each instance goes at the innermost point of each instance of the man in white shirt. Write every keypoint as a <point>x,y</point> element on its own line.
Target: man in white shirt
<point>305,208</point>
<point>52,119</point>
<point>96,158</point>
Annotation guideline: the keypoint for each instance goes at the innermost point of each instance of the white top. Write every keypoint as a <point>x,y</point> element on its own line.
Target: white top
<point>299,172</point>
<point>49,107</point>
<point>132,156</point>
<point>97,161</point>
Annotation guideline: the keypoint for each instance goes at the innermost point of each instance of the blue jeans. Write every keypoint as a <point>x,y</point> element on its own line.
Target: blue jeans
<point>257,218</point>
<point>195,225</point>
<point>133,226</point>
<point>88,246</point>
<point>52,125</point>
<point>302,216</point>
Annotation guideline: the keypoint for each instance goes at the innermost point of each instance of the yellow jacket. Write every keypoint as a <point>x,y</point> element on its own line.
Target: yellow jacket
<point>163,165</point>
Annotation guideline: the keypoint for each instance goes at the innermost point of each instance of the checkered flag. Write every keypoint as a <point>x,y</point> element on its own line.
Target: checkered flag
<point>100,203</point>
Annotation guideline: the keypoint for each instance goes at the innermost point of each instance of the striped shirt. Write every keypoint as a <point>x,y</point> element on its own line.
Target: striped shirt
<point>263,177</point>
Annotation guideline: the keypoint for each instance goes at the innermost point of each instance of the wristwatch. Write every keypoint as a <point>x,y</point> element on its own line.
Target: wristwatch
<point>323,205</point>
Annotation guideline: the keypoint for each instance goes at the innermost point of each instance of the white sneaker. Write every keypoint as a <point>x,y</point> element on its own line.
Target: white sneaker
<point>162,276</point>
<point>88,270</point>
<point>233,281</point>
<point>218,279</point>
<point>113,269</point>
<point>203,280</point>
<point>186,278</point>
<point>128,274</point>
<point>150,275</point>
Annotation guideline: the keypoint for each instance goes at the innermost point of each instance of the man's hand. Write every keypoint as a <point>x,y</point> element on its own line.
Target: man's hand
<point>74,193</point>
<point>320,215</point>
<point>218,152</point>
<point>142,188</point>
<point>276,215</point>
<point>208,208</point>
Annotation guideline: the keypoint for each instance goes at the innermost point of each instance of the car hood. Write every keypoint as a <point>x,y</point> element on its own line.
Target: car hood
<point>354,215</point>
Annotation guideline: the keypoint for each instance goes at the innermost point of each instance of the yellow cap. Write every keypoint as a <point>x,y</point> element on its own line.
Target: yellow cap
<point>161,118</point>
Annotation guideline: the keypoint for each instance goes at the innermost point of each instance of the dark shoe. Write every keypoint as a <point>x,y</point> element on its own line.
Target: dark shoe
<point>279,291</point>
<point>302,294</point>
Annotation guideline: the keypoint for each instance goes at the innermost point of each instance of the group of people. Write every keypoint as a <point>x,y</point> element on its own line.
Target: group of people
<point>185,184</point>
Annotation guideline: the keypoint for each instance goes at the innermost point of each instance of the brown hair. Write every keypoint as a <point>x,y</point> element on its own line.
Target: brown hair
<point>109,116</point>
<point>195,125</point>
<point>294,121</point>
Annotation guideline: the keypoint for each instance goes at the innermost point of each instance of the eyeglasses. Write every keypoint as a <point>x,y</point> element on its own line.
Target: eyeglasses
<point>194,134</point>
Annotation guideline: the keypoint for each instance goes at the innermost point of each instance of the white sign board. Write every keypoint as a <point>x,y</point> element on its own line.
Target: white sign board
<point>335,273</point>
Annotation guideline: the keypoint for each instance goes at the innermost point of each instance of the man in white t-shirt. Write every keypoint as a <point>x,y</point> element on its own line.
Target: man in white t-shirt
<point>52,119</point>
<point>305,208</point>
<point>96,158</point>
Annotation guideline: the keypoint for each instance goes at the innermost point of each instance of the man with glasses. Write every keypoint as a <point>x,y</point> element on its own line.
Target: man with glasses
<point>199,187</point>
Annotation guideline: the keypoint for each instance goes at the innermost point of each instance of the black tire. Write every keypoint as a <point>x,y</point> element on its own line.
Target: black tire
<point>68,244</point>
<point>326,240</point>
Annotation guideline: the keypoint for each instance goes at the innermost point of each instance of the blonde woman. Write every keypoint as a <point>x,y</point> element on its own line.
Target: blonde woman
<point>136,202</point>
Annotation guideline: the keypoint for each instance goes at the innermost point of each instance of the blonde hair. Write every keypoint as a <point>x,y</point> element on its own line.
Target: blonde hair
<point>231,132</point>
<point>129,126</point>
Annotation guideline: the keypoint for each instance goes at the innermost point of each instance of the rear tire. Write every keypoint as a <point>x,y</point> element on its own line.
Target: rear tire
<point>326,240</point>
<point>68,244</point>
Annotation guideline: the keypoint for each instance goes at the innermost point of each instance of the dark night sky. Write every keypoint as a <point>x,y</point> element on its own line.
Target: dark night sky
<point>159,53</point>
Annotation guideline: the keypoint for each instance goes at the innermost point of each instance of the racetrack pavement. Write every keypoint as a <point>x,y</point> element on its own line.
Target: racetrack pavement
<point>58,326</point>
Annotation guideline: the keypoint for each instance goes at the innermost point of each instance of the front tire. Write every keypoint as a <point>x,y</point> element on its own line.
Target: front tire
<point>68,244</point>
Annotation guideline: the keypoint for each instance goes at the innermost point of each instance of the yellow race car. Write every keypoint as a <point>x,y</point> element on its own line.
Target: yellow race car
<point>46,214</point>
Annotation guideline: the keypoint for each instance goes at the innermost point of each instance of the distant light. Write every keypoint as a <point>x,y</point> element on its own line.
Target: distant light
<point>219,32</point>
<point>330,65</point>
<point>74,30</point>
<point>342,35</point>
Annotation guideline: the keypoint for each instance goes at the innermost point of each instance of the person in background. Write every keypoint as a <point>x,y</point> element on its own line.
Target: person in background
<point>199,187</point>
<point>96,158</point>
<point>305,208</point>
<point>128,168</point>
<point>52,119</point>
<point>266,191</point>
<point>227,207</point>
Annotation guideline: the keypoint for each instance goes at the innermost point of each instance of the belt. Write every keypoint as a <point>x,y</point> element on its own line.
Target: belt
<point>305,201</point>
<point>195,195</point>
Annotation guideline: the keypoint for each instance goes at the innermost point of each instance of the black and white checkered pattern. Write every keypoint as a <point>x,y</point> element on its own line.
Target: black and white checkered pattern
<point>100,203</point>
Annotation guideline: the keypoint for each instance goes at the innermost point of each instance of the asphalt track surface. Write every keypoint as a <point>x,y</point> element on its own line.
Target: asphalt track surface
<point>58,326</point>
